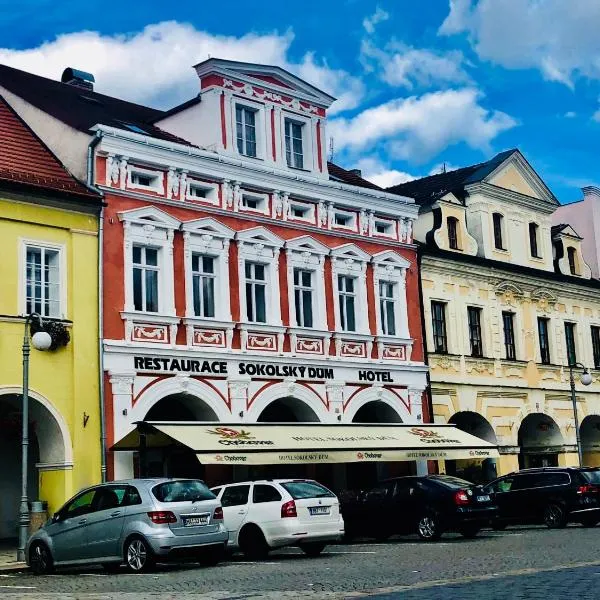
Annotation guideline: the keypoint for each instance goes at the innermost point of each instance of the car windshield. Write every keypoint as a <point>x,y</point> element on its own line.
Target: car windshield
<point>182,491</point>
<point>592,476</point>
<point>454,483</point>
<point>299,490</point>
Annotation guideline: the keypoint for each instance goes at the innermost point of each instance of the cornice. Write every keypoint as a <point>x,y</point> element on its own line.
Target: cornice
<point>204,163</point>
<point>489,190</point>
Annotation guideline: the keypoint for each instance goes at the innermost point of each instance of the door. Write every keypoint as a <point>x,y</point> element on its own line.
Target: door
<point>377,512</point>
<point>234,501</point>
<point>105,522</point>
<point>504,497</point>
<point>266,510</point>
<point>69,532</point>
<point>408,505</point>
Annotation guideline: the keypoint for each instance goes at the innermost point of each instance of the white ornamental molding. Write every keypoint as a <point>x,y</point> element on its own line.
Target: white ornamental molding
<point>182,185</point>
<point>123,172</point>
<point>277,204</point>
<point>248,90</point>
<point>112,169</point>
<point>173,183</point>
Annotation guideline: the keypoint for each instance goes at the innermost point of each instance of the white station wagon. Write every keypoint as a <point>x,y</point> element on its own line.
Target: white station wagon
<point>267,514</point>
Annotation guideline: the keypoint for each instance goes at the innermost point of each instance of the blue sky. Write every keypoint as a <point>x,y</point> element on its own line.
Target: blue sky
<point>419,84</point>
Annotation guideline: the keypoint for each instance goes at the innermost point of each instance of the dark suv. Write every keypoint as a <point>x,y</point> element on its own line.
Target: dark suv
<point>427,505</point>
<point>552,495</point>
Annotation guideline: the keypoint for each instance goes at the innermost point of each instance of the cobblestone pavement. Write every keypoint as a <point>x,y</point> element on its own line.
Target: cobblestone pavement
<point>517,563</point>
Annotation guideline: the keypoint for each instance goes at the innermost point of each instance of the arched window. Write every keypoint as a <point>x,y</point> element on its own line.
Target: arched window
<point>498,233</point>
<point>452,223</point>
<point>572,256</point>
<point>533,240</point>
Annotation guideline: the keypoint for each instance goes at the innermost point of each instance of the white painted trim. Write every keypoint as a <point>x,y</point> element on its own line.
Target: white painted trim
<point>377,394</point>
<point>157,178</point>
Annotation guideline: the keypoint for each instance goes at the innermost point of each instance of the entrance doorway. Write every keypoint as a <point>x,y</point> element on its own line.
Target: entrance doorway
<point>540,442</point>
<point>590,440</point>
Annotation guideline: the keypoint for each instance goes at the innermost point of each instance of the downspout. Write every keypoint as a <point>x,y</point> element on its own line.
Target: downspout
<point>90,181</point>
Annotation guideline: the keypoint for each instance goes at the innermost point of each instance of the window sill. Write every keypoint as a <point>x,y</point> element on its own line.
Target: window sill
<point>309,331</point>
<point>394,339</point>
<point>351,335</point>
<point>208,322</point>
<point>247,326</point>
<point>150,317</point>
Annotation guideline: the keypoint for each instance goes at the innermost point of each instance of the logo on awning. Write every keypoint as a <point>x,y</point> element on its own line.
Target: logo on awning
<point>228,433</point>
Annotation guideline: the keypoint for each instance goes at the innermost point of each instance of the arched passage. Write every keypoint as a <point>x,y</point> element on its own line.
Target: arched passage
<point>376,411</point>
<point>540,441</point>
<point>49,444</point>
<point>590,440</point>
<point>476,470</point>
<point>288,410</point>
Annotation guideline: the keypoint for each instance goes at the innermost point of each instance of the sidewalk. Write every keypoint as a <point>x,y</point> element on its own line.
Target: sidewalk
<point>8,558</point>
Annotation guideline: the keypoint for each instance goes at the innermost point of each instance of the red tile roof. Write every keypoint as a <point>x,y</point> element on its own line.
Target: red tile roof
<point>25,159</point>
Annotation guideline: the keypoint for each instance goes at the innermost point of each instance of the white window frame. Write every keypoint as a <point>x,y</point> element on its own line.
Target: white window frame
<point>150,226</point>
<point>308,140</point>
<point>144,267</point>
<point>62,275</point>
<point>351,216</point>
<point>306,253</point>
<point>392,267</point>
<point>259,110</point>
<point>261,199</point>
<point>210,238</point>
<point>289,123</point>
<point>157,179</point>
<point>259,245</point>
<point>212,189</point>
<point>308,207</point>
<point>390,228</point>
<point>350,260</point>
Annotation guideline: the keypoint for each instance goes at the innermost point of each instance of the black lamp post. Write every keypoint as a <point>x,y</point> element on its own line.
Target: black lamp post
<point>40,340</point>
<point>586,379</point>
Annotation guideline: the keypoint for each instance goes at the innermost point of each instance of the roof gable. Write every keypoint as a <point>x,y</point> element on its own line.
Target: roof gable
<point>565,230</point>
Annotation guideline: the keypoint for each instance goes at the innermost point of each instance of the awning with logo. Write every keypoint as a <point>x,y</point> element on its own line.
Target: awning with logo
<point>285,443</point>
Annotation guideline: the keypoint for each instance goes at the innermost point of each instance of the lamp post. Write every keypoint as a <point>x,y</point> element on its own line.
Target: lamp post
<point>41,340</point>
<point>586,379</point>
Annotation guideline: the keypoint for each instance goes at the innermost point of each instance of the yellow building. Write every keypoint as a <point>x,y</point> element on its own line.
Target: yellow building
<point>49,265</point>
<point>508,303</point>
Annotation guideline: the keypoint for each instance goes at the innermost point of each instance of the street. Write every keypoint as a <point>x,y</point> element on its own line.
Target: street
<point>517,563</point>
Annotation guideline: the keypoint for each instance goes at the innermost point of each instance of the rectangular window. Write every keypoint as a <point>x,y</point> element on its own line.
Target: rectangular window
<point>453,233</point>
<point>387,307</point>
<point>142,180</point>
<point>544,340</point>
<point>145,278</point>
<point>497,218</point>
<point>347,302</point>
<point>245,121</point>
<point>256,292</point>
<point>438,319</point>
<point>533,240</point>
<point>596,345</point>
<point>42,282</point>
<point>570,343</point>
<point>474,315</point>
<point>303,297</point>
<point>342,220</point>
<point>203,285</point>
<point>509,335</point>
<point>383,228</point>
<point>293,144</point>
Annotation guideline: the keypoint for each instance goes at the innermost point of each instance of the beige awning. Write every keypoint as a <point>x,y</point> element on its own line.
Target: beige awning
<point>281,443</point>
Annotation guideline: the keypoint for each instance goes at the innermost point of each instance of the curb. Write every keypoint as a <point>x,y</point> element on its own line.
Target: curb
<point>13,567</point>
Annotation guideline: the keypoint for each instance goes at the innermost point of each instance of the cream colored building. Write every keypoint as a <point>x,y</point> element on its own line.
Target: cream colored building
<point>508,302</point>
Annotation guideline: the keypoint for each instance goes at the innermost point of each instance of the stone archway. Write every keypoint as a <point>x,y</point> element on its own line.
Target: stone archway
<point>540,441</point>
<point>376,411</point>
<point>590,440</point>
<point>476,470</point>
<point>49,445</point>
<point>288,410</point>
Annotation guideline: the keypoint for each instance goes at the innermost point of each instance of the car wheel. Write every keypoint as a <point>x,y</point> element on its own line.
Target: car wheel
<point>211,557</point>
<point>138,555</point>
<point>111,567</point>
<point>428,527</point>
<point>589,522</point>
<point>312,549</point>
<point>554,516</point>
<point>469,532</point>
<point>253,544</point>
<point>40,559</point>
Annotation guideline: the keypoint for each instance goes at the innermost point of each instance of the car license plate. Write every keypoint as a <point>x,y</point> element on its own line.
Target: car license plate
<point>319,510</point>
<point>485,498</point>
<point>195,521</point>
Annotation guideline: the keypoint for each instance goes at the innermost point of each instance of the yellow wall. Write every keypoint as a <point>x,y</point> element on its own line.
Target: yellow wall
<point>68,377</point>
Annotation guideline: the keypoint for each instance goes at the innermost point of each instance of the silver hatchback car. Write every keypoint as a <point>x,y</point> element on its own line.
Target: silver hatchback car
<point>136,522</point>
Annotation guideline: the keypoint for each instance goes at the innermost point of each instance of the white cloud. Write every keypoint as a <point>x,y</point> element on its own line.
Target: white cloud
<point>570,115</point>
<point>558,38</point>
<point>400,65</point>
<point>375,171</point>
<point>596,116</point>
<point>417,128</point>
<point>153,66</point>
<point>379,16</point>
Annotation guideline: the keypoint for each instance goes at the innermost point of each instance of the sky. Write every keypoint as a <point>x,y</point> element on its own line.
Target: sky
<point>420,85</point>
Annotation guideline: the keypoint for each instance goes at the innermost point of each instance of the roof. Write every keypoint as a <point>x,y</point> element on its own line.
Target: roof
<point>429,189</point>
<point>337,173</point>
<point>80,108</point>
<point>26,161</point>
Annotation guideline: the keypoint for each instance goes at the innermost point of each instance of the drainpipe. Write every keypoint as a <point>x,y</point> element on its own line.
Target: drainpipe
<point>90,181</point>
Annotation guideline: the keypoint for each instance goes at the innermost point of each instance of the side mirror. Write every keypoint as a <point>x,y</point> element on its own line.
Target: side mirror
<point>55,517</point>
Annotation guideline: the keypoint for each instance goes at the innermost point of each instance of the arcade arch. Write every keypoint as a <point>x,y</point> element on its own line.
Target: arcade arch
<point>540,441</point>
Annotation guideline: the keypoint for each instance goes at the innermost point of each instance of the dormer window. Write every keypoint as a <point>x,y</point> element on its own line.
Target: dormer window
<point>498,220</point>
<point>452,223</point>
<point>533,240</point>
<point>245,120</point>
<point>293,144</point>
<point>572,256</point>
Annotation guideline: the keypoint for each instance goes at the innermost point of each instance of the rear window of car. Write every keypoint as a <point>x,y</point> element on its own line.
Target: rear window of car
<point>453,483</point>
<point>299,490</point>
<point>182,491</point>
<point>591,476</point>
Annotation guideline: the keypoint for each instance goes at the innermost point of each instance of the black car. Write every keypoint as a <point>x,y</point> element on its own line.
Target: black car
<point>552,495</point>
<point>429,505</point>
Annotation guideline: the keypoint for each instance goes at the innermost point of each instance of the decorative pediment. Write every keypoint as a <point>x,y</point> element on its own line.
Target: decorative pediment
<point>544,298</point>
<point>208,226</point>
<point>565,231</point>
<point>150,215</point>
<point>259,235</point>
<point>306,243</point>
<point>350,252</point>
<point>509,293</point>
<point>391,259</point>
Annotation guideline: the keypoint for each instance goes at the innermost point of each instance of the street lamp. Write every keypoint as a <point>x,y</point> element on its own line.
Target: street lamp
<point>586,379</point>
<point>40,340</point>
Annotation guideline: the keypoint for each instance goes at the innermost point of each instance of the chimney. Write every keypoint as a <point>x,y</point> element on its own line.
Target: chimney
<point>356,172</point>
<point>79,79</point>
